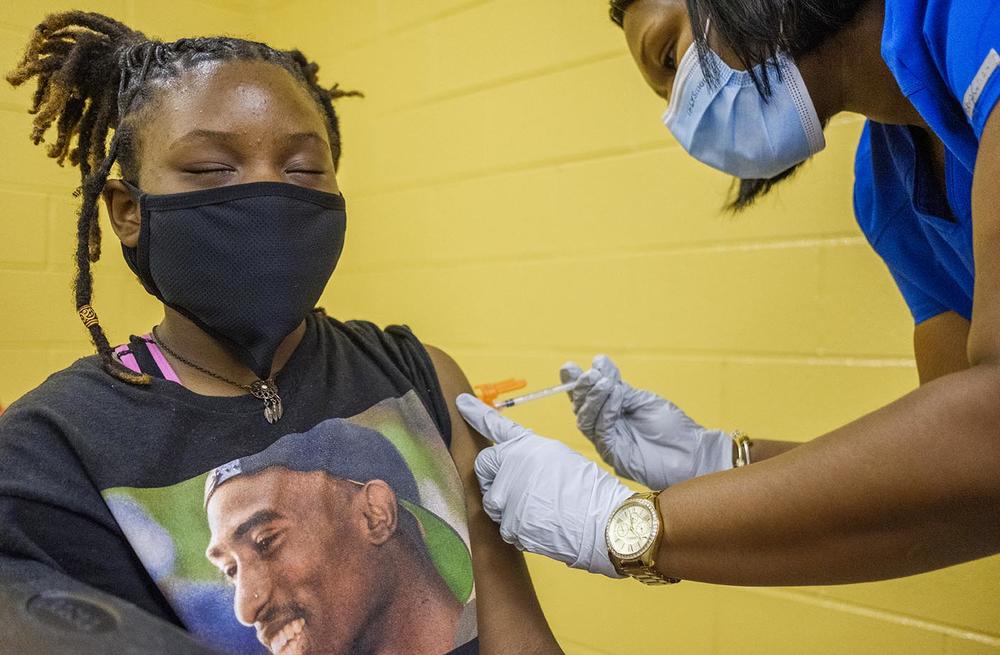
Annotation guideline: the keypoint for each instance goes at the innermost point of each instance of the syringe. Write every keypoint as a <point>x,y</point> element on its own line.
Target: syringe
<point>535,395</point>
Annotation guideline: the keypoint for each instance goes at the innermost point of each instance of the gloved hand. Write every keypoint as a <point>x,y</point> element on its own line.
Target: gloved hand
<point>547,498</point>
<point>644,437</point>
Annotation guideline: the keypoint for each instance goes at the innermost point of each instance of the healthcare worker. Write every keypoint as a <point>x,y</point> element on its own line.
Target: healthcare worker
<point>909,488</point>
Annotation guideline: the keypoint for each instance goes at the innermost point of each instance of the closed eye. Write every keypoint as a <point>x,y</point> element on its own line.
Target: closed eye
<point>203,171</point>
<point>667,59</point>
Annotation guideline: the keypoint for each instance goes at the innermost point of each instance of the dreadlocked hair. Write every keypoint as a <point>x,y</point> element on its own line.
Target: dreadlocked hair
<point>94,74</point>
<point>756,32</point>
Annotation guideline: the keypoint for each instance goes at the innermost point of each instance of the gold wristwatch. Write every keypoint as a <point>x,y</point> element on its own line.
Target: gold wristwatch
<point>633,536</point>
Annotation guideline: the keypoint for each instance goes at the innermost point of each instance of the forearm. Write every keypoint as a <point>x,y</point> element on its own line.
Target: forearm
<point>510,618</point>
<point>912,487</point>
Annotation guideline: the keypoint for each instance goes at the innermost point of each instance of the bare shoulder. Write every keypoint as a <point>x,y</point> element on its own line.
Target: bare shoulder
<point>464,440</point>
<point>449,373</point>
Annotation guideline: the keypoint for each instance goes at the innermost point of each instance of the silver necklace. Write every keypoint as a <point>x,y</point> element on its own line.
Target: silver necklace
<point>266,390</point>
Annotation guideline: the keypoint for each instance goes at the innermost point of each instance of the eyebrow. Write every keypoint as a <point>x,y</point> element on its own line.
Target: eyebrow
<point>231,137</point>
<point>257,519</point>
<point>643,44</point>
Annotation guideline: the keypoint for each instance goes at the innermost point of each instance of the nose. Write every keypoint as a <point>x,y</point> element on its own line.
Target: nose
<point>253,592</point>
<point>264,172</point>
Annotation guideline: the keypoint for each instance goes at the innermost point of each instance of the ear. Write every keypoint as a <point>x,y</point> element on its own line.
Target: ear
<point>123,210</point>
<point>381,510</point>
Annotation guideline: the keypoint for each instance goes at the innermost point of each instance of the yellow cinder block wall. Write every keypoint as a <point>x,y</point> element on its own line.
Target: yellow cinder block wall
<point>513,197</point>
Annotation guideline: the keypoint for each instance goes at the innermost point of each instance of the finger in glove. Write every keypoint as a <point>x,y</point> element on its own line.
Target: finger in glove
<point>584,384</point>
<point>592,404</point>
<point>487,421</point>
<point>607,368</point>
<point>569,372</point>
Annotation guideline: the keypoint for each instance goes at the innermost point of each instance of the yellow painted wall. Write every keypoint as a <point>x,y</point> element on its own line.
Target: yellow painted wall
<point>513,197</point>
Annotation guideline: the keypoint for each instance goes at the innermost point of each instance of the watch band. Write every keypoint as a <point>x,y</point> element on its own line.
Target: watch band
<point>646,574</point>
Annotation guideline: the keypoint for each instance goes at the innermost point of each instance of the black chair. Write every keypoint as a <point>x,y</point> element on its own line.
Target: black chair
<point>43,612</point>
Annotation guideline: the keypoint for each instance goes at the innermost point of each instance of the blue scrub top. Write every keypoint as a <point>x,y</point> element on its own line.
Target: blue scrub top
<point>944,55</point>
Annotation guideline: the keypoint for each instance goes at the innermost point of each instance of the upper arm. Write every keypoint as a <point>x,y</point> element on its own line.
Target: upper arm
<point>984,333</point>
<point>967,40</point>
<point>465,442</point>
<point>940,346</point>
<point>510,618</point>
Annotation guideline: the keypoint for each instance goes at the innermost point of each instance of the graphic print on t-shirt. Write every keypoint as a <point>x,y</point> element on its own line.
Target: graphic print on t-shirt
<point>348,537</point>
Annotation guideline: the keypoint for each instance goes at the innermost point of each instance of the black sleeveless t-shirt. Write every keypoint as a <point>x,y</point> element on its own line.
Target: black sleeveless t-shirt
<point>313,534</point>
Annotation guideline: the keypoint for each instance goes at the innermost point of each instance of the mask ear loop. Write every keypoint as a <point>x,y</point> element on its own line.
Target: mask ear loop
<point>710,71</point>
<point>784,45</point>
<point>132,189</point>
<point>689,61</point>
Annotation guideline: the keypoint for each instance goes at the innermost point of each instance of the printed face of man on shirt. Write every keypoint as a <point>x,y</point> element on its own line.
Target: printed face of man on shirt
<point>302,550</point>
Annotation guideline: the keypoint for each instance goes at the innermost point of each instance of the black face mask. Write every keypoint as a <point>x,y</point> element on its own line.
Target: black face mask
<point>246,263</point>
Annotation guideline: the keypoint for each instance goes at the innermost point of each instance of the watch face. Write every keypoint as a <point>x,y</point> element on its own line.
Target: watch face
<point>632,528</point>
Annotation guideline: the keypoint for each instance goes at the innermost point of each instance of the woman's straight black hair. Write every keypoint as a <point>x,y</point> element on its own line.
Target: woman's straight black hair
<point>94,75</point>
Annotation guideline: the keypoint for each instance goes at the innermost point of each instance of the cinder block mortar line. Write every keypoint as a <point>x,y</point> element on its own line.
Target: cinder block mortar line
<point>499,82</point>
<point>898,618</point>
<point>596,254</point>
<point>381,34</point>
<point>535,164</point>
<point>46,344</point>
<point>531,166</point>
<point>53,190</point>
<point>21,267</point>
<point>692,355</point>
<point>13,187</point>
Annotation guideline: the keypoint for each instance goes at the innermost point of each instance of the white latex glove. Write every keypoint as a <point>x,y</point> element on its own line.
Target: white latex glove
<point>644,437</point>
<point>547,498</point>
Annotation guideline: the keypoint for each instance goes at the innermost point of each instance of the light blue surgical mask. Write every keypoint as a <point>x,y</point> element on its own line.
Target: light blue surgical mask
<point>730,126</point>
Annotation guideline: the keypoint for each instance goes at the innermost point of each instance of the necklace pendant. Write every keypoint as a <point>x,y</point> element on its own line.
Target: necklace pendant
<point>273,410</point>
<point>267,391</point>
